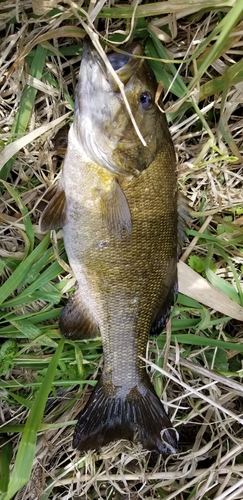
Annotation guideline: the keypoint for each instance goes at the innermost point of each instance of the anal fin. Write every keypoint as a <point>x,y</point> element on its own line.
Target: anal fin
<point>53,216</point>
<point>75,322</point>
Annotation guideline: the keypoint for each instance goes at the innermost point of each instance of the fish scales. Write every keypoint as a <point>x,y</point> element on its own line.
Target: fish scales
<point>125,286</point>
<point>120,235</point>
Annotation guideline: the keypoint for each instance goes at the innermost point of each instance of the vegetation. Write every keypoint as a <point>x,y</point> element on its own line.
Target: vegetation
<point>195,50</point>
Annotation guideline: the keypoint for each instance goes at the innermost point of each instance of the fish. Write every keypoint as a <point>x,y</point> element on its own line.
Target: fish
<point>116,202</point>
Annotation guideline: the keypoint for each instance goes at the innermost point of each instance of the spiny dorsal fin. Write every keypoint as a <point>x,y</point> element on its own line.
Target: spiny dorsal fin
<point>75,322</point>
<point>115,210</point>
<point>54,214</point>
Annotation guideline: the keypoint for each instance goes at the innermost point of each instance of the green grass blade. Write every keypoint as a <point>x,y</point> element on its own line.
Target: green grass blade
<point>224,28</point>
<point>26,105</point>
<point>35,317</point>
<point>159,8</point>
<point>41,286</point>
<point>5,459</point>
<point>18,275</point>
<point>165,72</point>
<point>197,340</point>
<point>26,452</point>
<point>218,282</point>
<point>236,278</point>
<point>233,74</point>
<point>223,123</point>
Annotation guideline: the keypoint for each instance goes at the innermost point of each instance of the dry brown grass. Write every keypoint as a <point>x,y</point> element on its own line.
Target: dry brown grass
<point>202,390</point>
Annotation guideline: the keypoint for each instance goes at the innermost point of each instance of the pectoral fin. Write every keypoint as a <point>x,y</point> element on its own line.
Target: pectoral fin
<point>54,214</point>
<point>115,211</point>
<point>75,322</point>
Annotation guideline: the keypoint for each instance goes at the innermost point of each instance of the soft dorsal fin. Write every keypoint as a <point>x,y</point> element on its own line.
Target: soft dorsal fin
<point>75,322</point>
<point>163,314</point>
<point>54,214</point>
<point>184,220</point>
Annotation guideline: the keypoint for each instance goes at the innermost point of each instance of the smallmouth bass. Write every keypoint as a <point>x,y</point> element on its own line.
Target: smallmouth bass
<point>117,204</point>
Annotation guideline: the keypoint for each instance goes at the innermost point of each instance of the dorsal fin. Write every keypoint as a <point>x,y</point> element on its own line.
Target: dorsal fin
<point>183,222</point>
<point>163,313</point>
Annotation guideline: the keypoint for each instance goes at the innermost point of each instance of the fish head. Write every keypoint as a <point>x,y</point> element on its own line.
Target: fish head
<point>102,122</point>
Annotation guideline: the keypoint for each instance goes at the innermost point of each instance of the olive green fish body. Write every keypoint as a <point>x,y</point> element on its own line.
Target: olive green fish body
<point>120,232</point>
<point>123,282</point>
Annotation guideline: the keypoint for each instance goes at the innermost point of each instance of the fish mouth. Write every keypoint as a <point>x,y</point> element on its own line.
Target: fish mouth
<point>101,118</point>
<point>124,64</point>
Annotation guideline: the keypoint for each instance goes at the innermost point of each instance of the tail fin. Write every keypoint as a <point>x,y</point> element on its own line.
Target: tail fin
<point>108,417</point>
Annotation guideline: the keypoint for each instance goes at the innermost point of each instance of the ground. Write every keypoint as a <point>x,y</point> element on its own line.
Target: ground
<point>196,367</point>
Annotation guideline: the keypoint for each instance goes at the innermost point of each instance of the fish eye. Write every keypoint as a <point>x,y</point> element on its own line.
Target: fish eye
<point>146,99</point>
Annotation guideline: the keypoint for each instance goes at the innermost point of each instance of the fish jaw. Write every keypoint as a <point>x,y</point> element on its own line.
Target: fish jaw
<point>102,123</point>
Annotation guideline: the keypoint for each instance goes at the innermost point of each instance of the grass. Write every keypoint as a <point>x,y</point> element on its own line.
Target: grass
<point>196,51</point>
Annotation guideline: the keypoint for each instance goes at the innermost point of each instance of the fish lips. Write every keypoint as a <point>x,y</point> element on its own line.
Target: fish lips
<point>124,64</point>
<point>102,125</point>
